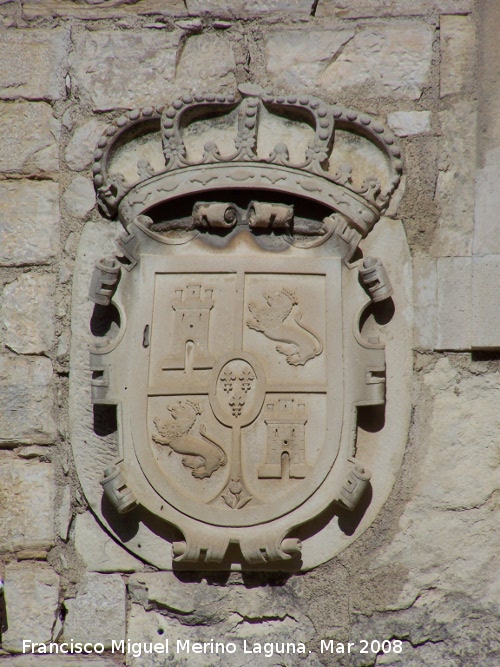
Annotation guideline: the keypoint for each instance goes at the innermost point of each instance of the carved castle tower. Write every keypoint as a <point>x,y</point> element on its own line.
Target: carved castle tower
<point>192,307</point>
<point>285,437</point>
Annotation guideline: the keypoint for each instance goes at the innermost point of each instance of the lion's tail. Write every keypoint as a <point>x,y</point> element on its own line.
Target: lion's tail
<point>223,457</point>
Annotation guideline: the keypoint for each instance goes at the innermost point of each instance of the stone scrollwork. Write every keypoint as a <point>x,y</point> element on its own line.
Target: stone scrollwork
<point>245,352</point>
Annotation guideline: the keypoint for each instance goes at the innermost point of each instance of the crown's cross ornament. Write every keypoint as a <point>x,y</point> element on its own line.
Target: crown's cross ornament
<point>242,355</point>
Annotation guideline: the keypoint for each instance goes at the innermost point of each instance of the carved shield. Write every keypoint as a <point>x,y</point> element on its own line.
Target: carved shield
<point>240,359</point>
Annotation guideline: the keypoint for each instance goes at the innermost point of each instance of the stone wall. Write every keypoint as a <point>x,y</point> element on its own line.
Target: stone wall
<point>424,572</point>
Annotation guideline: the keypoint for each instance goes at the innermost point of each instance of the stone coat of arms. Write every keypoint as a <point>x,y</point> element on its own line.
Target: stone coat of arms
<point>240,292</point>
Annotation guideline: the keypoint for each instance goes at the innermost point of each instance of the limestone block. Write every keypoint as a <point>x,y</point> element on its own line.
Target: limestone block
<point>27,505</point>
<point>98,550</point>
<point>487,203</point>
<point>79,197</point>
<point>425,302</point>
<point>298,58</point>
<point>455,184</point>
<point>30,139</point>
<point>27,401</point>
<point>347,9</point>
<point>463,439</point>
<point>409,123</point>
<point>244,8</point>
<point>97,614</point>
<point>63,517</point>
<point>29,222</point>
<point>377,61</point>
<point>207,62</point>
<point>31,597</point>
<point>198,603</point>
<point>27,313</point>
<point>34,64</point>
<point>99,9</point>
<point>125,69</point>
<point>486,302</point>
<point>453,303</point>
<point>235,626</point>
<point>458,54</point>
<point>80,150</point>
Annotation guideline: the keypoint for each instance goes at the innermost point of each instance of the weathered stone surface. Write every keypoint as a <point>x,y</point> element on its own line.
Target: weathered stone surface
<point>199,612</point>
<point>63,517</point>
<point>31,596</point>
<point>29,222</point>
<point>30,138</point>
<point>299,58</point>
<point>80,150</point>
<point>486,302</point>
<point>347,9</point>
<point>27,401</point>
<point>58,661</point>
<point>207,63</point>
<point>409,123</point>
<point>98,550</point>
<point>453,303</point>
<point>455,183</point>
<point>99,9</point>
<point>445,539</point>
<point>27,505</point>
<point>34,64</point>
<point>97,614</point>
<point>244,8</point>
<point>376,61</point>
<point>27,313</point>
<point>125,69</point>
<point>425,302</point>
<point>487,196</point>
<point>79,198</point>
<point>458,54</point>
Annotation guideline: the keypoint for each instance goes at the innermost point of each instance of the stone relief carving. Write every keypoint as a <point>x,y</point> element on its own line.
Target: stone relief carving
<point>240,360</point>
<point>276,321</point>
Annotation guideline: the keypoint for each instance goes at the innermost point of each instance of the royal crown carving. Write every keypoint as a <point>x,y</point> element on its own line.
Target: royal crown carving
<point>361,200</point>
<point>245,336</point>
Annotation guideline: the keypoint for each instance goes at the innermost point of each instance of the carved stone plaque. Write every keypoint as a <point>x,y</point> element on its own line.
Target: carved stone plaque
<point>238,358</point>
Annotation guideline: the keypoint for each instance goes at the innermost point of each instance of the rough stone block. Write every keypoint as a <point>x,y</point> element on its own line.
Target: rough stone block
<point>377,61</point>
<point>258,626</point>
<point>453,303</point>
<point>27,505</point>
<point>487,203</point>
<point>27,313</point>
<point>27,401</point>
<point>30,139</point>
<point>458,54</point>
<point>409,123</point>
<point>347,9</point>
<point>455,184</point>
<point>486,302</point>
<point>80,150</point>
<point>424,302</point>
<point>125,69</point>
<point>97,614</point>
<point>99,9</point>
<point>207,63</point>
<point>98,550</point>
<point>31,597</point>
<point>298,58</point>
<point>29,222</point>
<point>79,197</point>
<point>34,64</point>
<point>245,8</point>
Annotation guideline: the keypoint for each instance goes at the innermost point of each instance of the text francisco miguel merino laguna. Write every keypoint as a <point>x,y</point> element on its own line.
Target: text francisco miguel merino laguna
<point>185,646</point>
